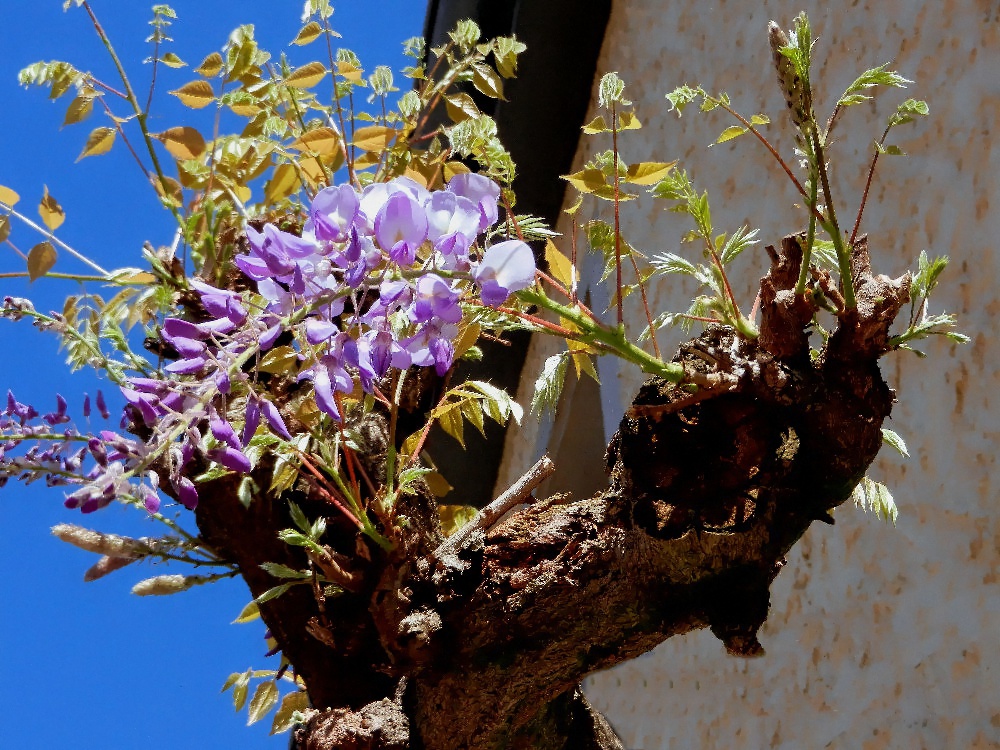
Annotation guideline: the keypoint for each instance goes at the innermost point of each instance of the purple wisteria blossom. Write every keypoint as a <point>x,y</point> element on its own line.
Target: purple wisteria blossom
<point>506,267</point>
<point>375,281</point>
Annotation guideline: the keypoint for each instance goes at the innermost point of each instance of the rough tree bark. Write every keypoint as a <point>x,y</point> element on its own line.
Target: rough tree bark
<point>485,647</point>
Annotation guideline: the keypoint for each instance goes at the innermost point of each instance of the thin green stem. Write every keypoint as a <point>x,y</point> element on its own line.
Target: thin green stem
<point>132,100</point>
<point>831,226</point>
<point>800,285</point>
<point>612,339</point>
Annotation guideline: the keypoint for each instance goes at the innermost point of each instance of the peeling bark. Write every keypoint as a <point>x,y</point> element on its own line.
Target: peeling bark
<point>485,646</point>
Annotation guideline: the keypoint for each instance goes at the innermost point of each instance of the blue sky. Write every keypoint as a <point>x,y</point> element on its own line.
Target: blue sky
<point>91,666</point>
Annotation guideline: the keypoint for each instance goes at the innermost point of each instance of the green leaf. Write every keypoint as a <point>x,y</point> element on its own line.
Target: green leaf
<point>741,239</point>
<point>611,91</point>
<point>272,593</point>
<point>906,111</point>
<point>671,263</point>
<point>889,150</point>
<point>549,384</point>
<point>298,517</point>
<point>286,715</point>
<point>682,96</point>
<point>450,420</point>
<point>628,121</point>
<point>891,438</point>
<point>587,180</point>
<point>760,120</point>
<point>283,571</point>
<point>497,402</point>
<point>874,77</point>
<point>265,698</point>
<point>875,498</point>
<point>41,258</point>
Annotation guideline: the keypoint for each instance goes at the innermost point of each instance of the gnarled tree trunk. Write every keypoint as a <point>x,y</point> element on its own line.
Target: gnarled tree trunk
<point>483,644</point>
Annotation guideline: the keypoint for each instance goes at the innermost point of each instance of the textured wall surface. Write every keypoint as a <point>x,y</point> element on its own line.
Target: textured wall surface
<point>878,637</point>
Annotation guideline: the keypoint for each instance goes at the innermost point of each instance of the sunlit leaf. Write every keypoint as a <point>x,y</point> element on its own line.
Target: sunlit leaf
<point>99,142</point>
<point>373,137</point>
<point>4,228</point>
<point>249,613</point>
<point>284,717</point>
<point>307,76</point>
<point>210,66</point>
<point>628,121</point>
<point>549,384</point>
<point>648,172</point>
<point>195,94</point>
<point>283,183</point>
<point>587,180</point>
<point>891,438</point>
<point>8,196</point>
<point>733,131</point>
<point>50,211</point>
<point>461,107</point>
<point>437,484</point>
<point>171,60</point>
<point>79,110</point>
<point>597,125</point>
<point>41,258</point>
<point>450,419</point>
<point>559,265</point>
<point>265,698</point>
<point>308,33</point>
<point>319,141</point>
<point>487,82</point>
<point>182,142</point>
<point>454,517</point>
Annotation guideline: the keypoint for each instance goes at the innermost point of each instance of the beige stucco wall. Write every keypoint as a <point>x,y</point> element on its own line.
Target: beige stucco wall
<point>878,637</point>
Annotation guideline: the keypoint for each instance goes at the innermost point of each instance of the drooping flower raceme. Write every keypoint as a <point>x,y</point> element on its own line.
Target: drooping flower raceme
<point>375,280</point>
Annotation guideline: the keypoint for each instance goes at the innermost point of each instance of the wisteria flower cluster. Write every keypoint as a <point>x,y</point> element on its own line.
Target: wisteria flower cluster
<point>375,280</point>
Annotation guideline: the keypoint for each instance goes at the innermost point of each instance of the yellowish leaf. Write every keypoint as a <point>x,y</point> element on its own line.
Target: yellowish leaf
<point>79,110</point>
<point>284,717</point>
<point>283,183</point>
<point>648,172</point>
<point>182,142</point>
<point>171,189</point>
<point>587,180</point>
<point>307,76</point>
<point>171,60</point>
<point>41,258</point>
<point>244,110</point>
<point>584,364</point>
<point>350,72</point>
<point>437,484</point>
<point>461,107</point>
<point>8,196</point>
<point>559,265</point>
<point>467,339</point>
<point>243,193</point>
<point>488,82</point>
<point>264,699</point>
<point>50,211</point>
<point>248,614</point>
<point>373,137</point>
<point>210,66</point>
<point>597,125</point>
<point>4,228</point>
<point>454,517</point>
<point>733,131</point>
<point>308,33</point>
<point>195,94</point>
<point>452,168</point>
<point>99,142</point>
<point>450,419</point>
<point>319,141</point>
<point>628,121</point>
